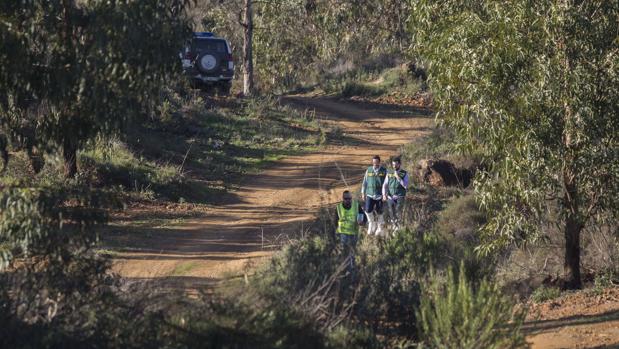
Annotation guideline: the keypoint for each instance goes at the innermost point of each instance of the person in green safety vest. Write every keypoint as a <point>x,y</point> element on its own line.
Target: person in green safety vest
<point>394,192</point>
<point>349,215</point>
<point>371,194</point>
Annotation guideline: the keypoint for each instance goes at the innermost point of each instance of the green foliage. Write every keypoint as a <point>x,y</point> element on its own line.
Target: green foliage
<point>391,278</point>
<point>49,221</point>
<point>458,224</point>
<point>383,292</point>
<point>52,288</point>
<point>362,82</point>
<point>233,324</point>
<point>54,292</point>
<point>461,217</point>
<point>545,293</point>
<point>72,71</point>
<point>190,151</point>
<point>358,89</point>
<point>463,314</point>
<point>533,87</point>
<point>297,41</point>
<point>602,281</point>
<point>113,164</point>
<point>301,261</point>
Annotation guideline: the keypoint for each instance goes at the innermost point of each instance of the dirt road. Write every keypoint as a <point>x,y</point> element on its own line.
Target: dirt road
<point>279,199</point>
<point>198,252</point>
<point>582,319</point>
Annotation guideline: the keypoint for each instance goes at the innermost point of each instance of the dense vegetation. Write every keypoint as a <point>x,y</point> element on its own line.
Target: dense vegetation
<point>92,116</point>
<point>533,89</point>
<point>300,42</point>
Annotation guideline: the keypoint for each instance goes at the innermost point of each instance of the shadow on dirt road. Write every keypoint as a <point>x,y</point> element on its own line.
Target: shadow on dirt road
<point>226,239</point>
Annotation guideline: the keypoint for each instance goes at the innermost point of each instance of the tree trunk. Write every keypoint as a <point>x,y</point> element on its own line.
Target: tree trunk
<point>69,149</point>
<point>572,229</point>
<point>69,153</point>
<point>572,254</point>
<point>36,160</point>
<point>574,221</point>
<point>4,152</point>
<point>248,66</point>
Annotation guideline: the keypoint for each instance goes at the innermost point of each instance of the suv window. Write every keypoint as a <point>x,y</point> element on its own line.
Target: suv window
<point>211,45</point>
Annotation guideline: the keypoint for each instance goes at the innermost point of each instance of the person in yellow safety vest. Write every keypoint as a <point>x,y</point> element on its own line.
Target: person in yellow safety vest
<point>349,215</point>
<point>394,192</point>
<point>372,195</point>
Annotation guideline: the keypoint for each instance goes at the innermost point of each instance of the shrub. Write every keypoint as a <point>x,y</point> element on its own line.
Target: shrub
<point>113,163</point>
<point>383,292</point>
<point>457,225</point>
<point>461,218</point>
<point>55,292</point>
<point>460,314</point>
<point>352,88</point>
<point>308,279</point>
<point>231,324</point>
<point>299,263</point>
<point>601,282</point>
<point>544,293</point>
<point>401,80</point>
<point>390,274</point>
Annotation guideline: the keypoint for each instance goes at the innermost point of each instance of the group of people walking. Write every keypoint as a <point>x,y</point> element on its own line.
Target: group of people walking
<point>380,187</point>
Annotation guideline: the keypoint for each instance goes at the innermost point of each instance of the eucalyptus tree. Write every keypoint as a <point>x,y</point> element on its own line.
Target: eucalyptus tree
<point>248,39</point>
<point>299,40</point>
<point>293,41</point>
<point>71,70</point>
<point>534,87</point>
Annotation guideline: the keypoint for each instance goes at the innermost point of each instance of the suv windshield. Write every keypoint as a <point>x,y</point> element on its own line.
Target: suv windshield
<point>209,45</point>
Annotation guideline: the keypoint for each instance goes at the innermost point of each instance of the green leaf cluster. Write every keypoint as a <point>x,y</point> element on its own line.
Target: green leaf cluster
<point>462,314</point>
<point>49,223</point>
<point>72,70</point>
<point>533,87</point>
<point>296,41</point>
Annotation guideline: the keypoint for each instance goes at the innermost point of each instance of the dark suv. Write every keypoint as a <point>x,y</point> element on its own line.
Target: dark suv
<point>207,61</point>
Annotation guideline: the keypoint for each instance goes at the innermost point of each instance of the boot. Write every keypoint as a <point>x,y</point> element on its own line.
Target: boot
<point>380,226</point>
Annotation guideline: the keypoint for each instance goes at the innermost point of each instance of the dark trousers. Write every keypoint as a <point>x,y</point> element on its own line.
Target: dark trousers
<point>371,205</point>
<point>349,244</point>
<point>396,206</point>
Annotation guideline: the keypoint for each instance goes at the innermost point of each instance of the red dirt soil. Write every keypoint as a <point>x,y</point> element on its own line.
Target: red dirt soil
<point>225,240</point>
<point>197,246</point>
<point>580,319</point>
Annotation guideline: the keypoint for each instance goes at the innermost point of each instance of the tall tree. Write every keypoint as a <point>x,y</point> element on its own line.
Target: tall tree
<point>72,70</point>
<point>534,87</point>
<point>248,40</point>
<point>294,41</point>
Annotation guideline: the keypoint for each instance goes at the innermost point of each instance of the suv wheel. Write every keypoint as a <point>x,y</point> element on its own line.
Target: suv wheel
<point>206,63</point>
